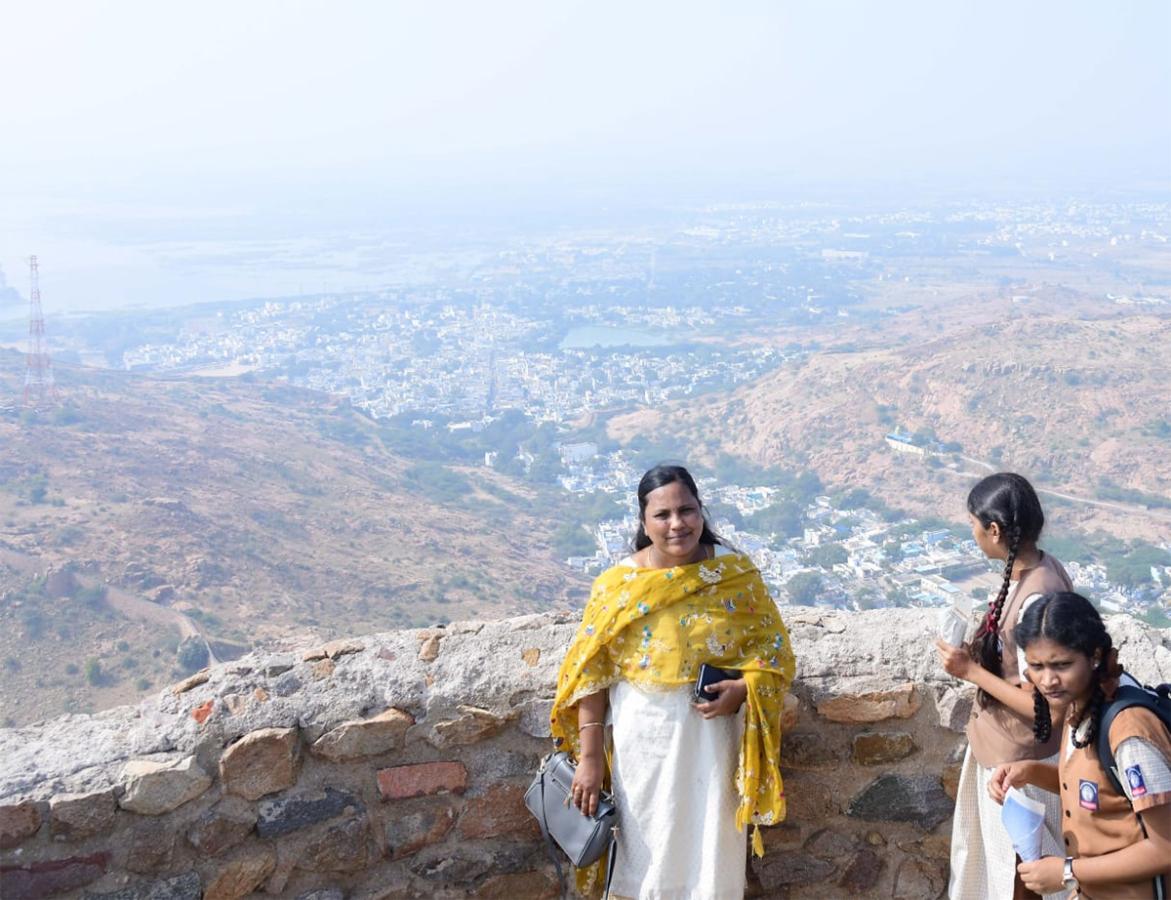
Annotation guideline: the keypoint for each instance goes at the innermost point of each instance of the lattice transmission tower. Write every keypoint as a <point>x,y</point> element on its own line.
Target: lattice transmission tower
<point>39,387</point>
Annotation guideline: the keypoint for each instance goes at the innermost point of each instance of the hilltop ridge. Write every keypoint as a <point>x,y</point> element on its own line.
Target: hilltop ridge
<point>261,513</point>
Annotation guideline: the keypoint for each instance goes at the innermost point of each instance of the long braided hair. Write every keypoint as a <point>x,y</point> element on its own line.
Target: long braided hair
<point>1071,621</point>
<point>1009,501</point>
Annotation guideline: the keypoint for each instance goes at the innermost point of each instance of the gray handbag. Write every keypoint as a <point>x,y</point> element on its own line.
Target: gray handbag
<point>582,838</point>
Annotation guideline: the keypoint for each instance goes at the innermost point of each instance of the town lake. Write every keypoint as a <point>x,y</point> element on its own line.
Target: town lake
<point>606,336</point>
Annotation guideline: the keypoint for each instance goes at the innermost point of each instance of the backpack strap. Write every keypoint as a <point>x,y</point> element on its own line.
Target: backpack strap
<point>1157,700</point>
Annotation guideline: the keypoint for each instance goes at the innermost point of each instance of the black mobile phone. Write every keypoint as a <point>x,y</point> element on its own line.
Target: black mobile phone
<point>710,675</point>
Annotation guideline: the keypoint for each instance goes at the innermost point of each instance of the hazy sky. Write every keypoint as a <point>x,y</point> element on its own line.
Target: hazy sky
<point>124,113</point>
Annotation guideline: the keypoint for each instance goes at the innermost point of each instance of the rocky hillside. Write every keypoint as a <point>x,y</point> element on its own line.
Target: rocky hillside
<point>143,509</point>
<point>1079,404</point>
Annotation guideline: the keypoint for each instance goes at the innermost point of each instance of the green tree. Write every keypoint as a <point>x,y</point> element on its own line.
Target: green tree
<point>804,588</point>
<point>828,555</point>
<point>93,671</point>
<point>192,653</point>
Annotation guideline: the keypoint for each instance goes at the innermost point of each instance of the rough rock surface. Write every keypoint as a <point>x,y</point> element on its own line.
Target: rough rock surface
<point>400,771</point>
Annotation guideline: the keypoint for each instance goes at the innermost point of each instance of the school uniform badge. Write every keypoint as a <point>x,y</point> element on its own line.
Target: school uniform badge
<point>1134,777</point>
<point>1087,795</point>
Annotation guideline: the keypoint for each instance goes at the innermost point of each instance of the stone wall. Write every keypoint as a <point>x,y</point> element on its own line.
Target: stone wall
<point>394,766</point>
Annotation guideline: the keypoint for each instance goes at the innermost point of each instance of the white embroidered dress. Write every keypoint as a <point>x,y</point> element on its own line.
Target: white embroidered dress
<point>674,778</point>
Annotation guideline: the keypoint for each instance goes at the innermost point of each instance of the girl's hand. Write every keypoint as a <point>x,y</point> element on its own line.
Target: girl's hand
<point>731,695</point>
<point>956,661</point>
<point>1007,775</point>
<point>1043,876</point>
<point>587,785</point>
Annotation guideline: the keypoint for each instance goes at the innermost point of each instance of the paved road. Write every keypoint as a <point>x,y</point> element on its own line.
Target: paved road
<point>1130,509</point>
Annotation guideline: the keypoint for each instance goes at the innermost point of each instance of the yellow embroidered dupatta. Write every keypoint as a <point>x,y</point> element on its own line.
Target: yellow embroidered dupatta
<point>654,627</point>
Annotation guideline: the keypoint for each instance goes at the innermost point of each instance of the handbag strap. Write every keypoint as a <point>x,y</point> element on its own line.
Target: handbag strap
<point>549,848</point>
<point>611,857</point>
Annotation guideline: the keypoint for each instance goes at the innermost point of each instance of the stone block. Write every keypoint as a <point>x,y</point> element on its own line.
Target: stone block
<point>149,849</point>
<point>344,847</point>
<point>473,726</point>
<point>779,870</point>
<point>186,886</point>
<point>284,815</point>
<point>916,879</point>
<point>422,779</point>
<point>785,836</point>
<point>342,647</point>
<point>951,779</point>
<point>874,748</point>
<point>409,833</point>
<point>262,762</point>
<point>323,894</point>
<point>809,800</point>
<point>192,681</point>
<point>322,669</point>
<point>530,885</point>
<point>862,873</point>
<point>364,737</point>
<point>76,816</point>
<point>18,821</point>
<point>500,812</point>
<point>241,875</point>
<point>534,718</point>
<point>287,685</point>
<point>790,712</point>
<point>153,788</point>
<point>222,827</point>
<point>903,798</point>
<point>46,878</point>
<point>830,844</point>
<point>933,846</point>
<point>278,665</point>
<point>444,867</point>
<point>531,656</point>
<point>954,706</point>
<point>429,648</point>
<point>809,750</point>
<point>875,706</point>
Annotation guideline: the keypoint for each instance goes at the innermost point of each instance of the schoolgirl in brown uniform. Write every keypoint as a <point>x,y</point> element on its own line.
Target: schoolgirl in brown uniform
<point>1007,520</point>
<point>1117,845</point>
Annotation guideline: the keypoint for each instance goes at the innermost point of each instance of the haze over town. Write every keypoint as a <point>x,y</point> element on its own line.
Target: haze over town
<point>347,304</point>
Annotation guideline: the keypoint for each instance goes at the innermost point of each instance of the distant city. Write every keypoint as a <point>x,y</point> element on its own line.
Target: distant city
<point>515,365</point>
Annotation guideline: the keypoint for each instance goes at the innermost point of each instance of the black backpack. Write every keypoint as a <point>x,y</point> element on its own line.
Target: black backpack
<point>1156,699</point>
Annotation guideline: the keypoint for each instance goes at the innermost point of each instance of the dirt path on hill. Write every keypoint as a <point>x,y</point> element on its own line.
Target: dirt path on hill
<point>122,602</point>
<point>1073,498</point>
<point>136,608</point>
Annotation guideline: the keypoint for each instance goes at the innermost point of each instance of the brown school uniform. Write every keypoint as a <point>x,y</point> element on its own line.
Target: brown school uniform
<point>997,734</point>
<point>1096,818</point>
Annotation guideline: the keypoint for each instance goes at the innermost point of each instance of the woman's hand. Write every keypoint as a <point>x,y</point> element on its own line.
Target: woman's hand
<point>731,693</point>
<point>1043,876</point>
<point>587,785</point>
<point>1007,775</point>
<point>956,661</point>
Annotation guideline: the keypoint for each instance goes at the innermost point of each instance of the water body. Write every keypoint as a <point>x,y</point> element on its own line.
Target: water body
<point>587,337</point>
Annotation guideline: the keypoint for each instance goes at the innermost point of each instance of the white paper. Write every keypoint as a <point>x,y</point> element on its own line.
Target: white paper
<point>953,624</point>
<point>1024,820</point>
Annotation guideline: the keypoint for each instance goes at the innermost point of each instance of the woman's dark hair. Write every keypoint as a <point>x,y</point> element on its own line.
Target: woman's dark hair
<point>1070,620</point>
<point>1010,501</point>
<point>660,476</point>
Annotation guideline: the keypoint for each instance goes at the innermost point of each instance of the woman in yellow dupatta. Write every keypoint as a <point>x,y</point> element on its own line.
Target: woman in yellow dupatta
<point>682,599</point>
